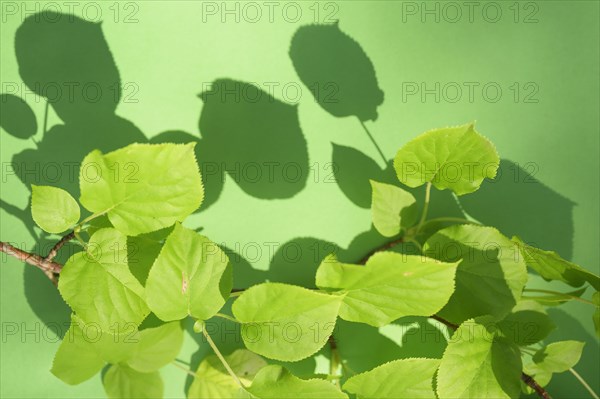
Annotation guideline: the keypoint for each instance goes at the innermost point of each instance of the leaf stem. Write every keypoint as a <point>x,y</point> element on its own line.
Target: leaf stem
<point>584,383</point>
<point>222,359</point>
<point>573,297</point>
<point>334,360</point>
<point>425,206</point>
<point>227,317</point>
<point>179,366</point>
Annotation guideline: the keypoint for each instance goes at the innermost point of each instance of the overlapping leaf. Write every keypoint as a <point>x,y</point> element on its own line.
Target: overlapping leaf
<point>388,287</point>
<point>98,285</point>
<point>405,378</point>
<point>121,381</point>
<point>285,322</point>
<point>53,209</point>
<point>490,277</point>
<point>392,208</point>
<point>479,364</point>
<point>142,187</point>
<point>456,158</point>
<point>187,277</point>
<point>527,324</point>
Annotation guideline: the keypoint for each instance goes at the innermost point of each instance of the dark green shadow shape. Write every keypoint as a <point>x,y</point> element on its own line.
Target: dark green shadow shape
<point>17,117</point>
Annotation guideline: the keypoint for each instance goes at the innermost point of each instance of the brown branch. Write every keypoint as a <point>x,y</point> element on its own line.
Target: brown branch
<point>50,268</point>
<point>54,251</point>
<point>384,247</point>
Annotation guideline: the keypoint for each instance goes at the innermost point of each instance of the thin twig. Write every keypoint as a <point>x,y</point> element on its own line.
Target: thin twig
<point>222,359</point>
<point>374,142</point>
<point>32,259</point>
<point>384,247</point>
<point>54,251</point>
<point>584,383</point>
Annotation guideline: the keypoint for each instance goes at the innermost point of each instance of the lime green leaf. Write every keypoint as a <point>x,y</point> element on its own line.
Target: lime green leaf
<point>527,324</point>
<point>490,277</point>
<point>457,158</point>
<point>142,187</point>
<point>392,208</point>
<point>53,209</point>
<point>285,322</point>
<point>76,360</point>
<point>551,266</point>
<point>390,286</point>
<point>123,382</point>
<point>185,277</point>
<point>275,382</point>
<point>477,363</point>
<point>558,356</point>
<point>542,377</point>
<point>156,347</point>
<point>405,378</point>
<point>99,287</point>
<point>213,381</point>
<point>555,298</point>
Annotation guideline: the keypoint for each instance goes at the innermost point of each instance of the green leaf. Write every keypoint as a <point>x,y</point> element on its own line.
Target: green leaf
<point>185,277</point>
<point>558,356</point>
<point>121,381</point>
<point>142,187</point>
<point>392,208</point>
<point>285,322</point>
<point>275,382</point>
<point>53,209</point>
<point>527,324</point>
<point>156,347</point>
<point>477,363</point>
<point>405,378</point>
<point>457,158</point>
<point>389,286</point>
<point>556,298</point>
<point>76,359</point>
<point>99,287</point>
<point>551,266</point>
<point>490,277</point>
<point>213,381</point>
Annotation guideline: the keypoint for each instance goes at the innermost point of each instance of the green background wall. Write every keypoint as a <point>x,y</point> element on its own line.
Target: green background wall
<point>547,135</point>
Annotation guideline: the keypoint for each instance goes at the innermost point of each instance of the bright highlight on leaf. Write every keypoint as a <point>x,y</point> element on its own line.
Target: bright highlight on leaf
<point>185,278</point>
<point>405,378</point>
<point>213,381</point>
<point>456,158</point>
<point>121,381</point>
<point>275,382</point>
<point>388,287</point>
<point>552,267</point>
<point>53,209</point>
<point>478,363</point>
<point>98,285</point>
<point>285,322</point>
<point>142,187</point>
<point>392,208</point>
<point>490,277</point>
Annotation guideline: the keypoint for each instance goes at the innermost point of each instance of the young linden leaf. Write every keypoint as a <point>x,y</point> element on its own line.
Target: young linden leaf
<point>213,381</point>
<point>99,287</point>
<point>285,322</point>
<point>527,324</point>
<point>392,208</point>
<point>121,381</point>
<point>558,356</point>
<point>551,266</point>
<point>388,287</point>
<point>76,359</point>
<point>456,158</point>
<point>156,347</point>
<point>477,363</point>
<point>142,187</point>
<point>185,278</point>
<point>490,277</point>
<point>405,378</point>
<point>53,209</point>
<point>275,382</point>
